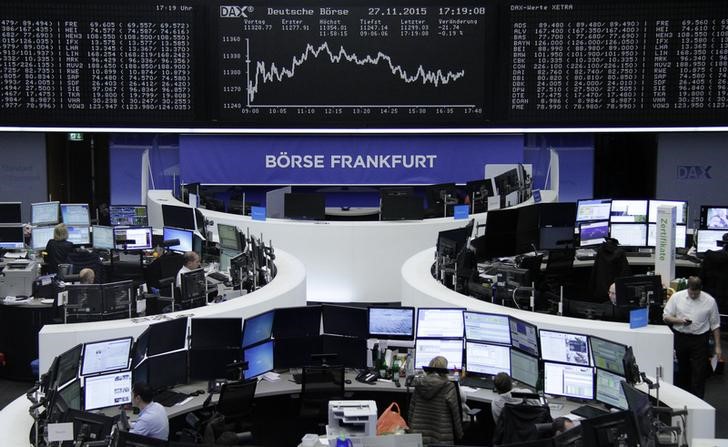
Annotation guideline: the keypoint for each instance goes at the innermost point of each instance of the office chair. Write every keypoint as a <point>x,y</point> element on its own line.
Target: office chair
<point>610,263</point>
<point>714,274</point>
<point>518,423</point>
<point>231,419</point>
<point>65,273</point>
<point>81,259</point>
<point>558,272</point>
<point>319,385</point>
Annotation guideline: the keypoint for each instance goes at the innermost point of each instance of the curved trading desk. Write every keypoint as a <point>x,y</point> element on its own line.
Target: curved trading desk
<point>652,345</point>
<point>345,261</point>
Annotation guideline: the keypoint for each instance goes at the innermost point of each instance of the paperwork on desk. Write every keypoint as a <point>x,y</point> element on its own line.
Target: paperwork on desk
<point>270,376</point>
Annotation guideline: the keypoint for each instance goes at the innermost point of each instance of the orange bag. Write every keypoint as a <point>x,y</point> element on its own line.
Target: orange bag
<point>390,421</point>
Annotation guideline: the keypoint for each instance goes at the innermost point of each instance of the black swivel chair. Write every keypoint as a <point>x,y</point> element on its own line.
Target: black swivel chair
<point>558,272</point>
<point>319,385</point>
<point>610,263</point>
<point>233,414</point>
<point>518,423</point>
<point>714,274</point>
<point>65,273</point>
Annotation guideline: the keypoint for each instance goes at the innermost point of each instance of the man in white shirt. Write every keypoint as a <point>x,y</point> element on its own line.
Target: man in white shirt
<point>191,261</point>
<point>693,315</point>
<point>152,421</point>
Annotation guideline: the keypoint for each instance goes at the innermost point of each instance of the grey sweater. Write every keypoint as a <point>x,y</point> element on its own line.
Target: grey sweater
<point>434,410</point>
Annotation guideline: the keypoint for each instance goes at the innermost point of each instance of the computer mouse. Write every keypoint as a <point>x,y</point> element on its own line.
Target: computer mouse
<point>347,381</point>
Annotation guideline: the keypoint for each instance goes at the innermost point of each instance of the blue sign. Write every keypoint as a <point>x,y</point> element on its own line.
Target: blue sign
<point>638,318</point>
<point>536,196</point>
<point>257,212</point>
<point>461,211</point>
<point>343,160</point>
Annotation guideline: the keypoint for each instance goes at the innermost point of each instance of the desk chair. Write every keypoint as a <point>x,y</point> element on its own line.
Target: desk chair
<point>233,413</point>
<point>558,272</point>
<point>609,264</point>
<point>319,385</point>
<point>714,274</point>
<point>518,423</point>
<point>124,439</point>
<point>65,273</point>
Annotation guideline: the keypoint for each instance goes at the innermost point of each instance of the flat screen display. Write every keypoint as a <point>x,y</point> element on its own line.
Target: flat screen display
<point>40,237</point>
<point>106,356</point>
<point>345,320</point>
<point>681,214</point>
<point>608,354</point>
<point>629,234</point>
<point>11,212</point>
<point>428,348</point>
<point>12,237</point>
<point>79,235</point>
<point>68,364</point>
<point>215,333</point>
<point>44,213</point>
<point>351,352</point>
<point>524,368</point>
<point>564,347</point>
<point>593,209</point>
<point>714,217</point>
<point>392,322</point>
<point>103,237</point>
<point>178,217</point>
<point>680,235</point>
<point>440,322</point>
<point>257,328</point>
<point>259,358</point>
<point>489,328</point>
<point>524,336</point>
<point>128,215</point>
<point>167,336</point>
<point>308,206</point>
<point>184,236</point>
<point>593,233</point>
<point>708,240</point>
<point>629,211</point>
<point>304,321</point>
<point>609,389</point>
<point>75,214</point>
<point>228,235</point>
<point>568,380</point>
<point>108,390</point>
<point>483,358</point>
<point>136,238</point>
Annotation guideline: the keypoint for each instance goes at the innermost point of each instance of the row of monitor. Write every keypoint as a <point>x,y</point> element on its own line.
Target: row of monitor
<point>51,213</point>
<point>628,211</point>
<point>628,234</point>
<point>108,238</point>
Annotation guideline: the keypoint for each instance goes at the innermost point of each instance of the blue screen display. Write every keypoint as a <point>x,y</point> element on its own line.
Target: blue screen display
<point>259,358</point>
<point>184,236</point>
<point>257,328</point>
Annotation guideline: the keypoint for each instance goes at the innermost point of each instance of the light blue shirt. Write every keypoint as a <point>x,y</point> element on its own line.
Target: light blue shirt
<point>152,422</point>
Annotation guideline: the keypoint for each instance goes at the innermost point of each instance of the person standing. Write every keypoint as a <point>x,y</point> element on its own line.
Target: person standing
<point>693,315</point>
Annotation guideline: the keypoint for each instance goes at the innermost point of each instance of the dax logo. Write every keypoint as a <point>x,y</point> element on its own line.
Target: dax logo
<point>234,12</point>
<point>693,172</point>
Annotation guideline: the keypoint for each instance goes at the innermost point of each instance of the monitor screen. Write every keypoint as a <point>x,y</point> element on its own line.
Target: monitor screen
<point>428,348</point>
<point>167,370</point>
<point>295,352</point>
<point>304,321</point>
<point>524,368</point>
<point>106,356</point>
<point>178,217</point>
<point>568,380</point>
<point>40,237</point>
<point>138,238</point>
<point>639,403</point>
<point>524,336</point>
<point>707,240</point>
<point>139,350</point>
<point>309,206</point>
<point>490,328</point>
<point>79,235</point>
<point>351,352</point>
<point>608,354</point>
<point>396,323</point>
<point>226,256</point>
<point>629,234</point>
<point>259,358</point>
<point>12,237</point>
<point>45,213</point>
<point>210,333</point>
<point>593,209</point>
<point>406,207</point>
<point>500,234</point>
<point>680,235</point>
<point>75,214</point>
<point>593,233</point>
<point>345,320</point>
<point>681,214</point>
<point>167,336</point>
<point>479,191</point>
<point>68,364</point>
<point>108,390</point>
<point>207,364</point>
<point>228,235</point>
<point>11,212</point>
<point>257,328</point>
<point>440,322</point>
<point>103,237</point>
<point>85,298</point>
<point>128,215</point>
<point>184,236</point>
<point>564,347</point>
<point>629,211</point>
<point>638,290</point>
<point>71,394</point>
<point>609,389</point>
<point>714,217</point>
<point>482,358</point>
<point>555,238</point>
<point>117,296</point>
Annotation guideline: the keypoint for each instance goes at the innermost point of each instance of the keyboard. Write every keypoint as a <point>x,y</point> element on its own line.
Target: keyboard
<point>477,382</point>
<point>588,412</point>
<point>218,276</point>
<point>639,254</point>
<point>169,398</point>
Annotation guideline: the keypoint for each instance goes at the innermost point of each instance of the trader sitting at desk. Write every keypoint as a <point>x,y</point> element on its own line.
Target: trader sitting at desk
<point>57,249</point>
<point>503,385</point>
<point>191,261</point>
<point>152,421</point>
<point>87,276</point>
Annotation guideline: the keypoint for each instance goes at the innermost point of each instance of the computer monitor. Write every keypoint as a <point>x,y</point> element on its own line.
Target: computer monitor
<point>193,288</point>
<point>428,348</point>
<point>451,242</point>
<point>259,358</point>
<point>165,371</point>
<point>117,296</point>
<point>79,235</point>
<point>560,379</point>
<point>44,213</point>
<point>440,322</point>
<point>714,217</point>
<point>304,321</point>
<point>405,207</point>
<point>500,234</point>
<point>167,336</point>
<point>257,328</point>
<point>507,182</point>
<point>139,350</point>
<point>392,323</point>
<point>11,212</point>
<point>208,364</point>
<point>639,404</point>
<point>84,299</point>
<point>40,237</point>
<point>103,237</point>
<point>609,389</point>
<point>75,214</point>
<point>555,238</point>
<point>609,430</point>
<point>240,266</point>
<point>71,394</point>
<point>128,215</point>
<point>305,206</point>
<point>215,333</point>
<point>133,238</point>
<point>524,368</point>
<point>295,352</point>
<point>345,320</point>
<point>106,356</point>
<point>629,234</point>
<point>107,390</point>
<point>593,209</point>
<point>68,364</point>
<point>178,217</point>
<point>593,233</point>
<point>441,195</point>
<point>228,235</point>
<point>588,309</point>
<point>607,354</point>
<point>92,425</point>
<point>681,214</point>
<point>628,211</point>
<point>184,236</point>
<point>351,352</point>
<point>680,235</point>
<point>524,336</point>
<point>564,347</point>
<point>11,238</point>
<point>479,191</point>
<point>226,256</point>
<point>487,359</point>
<point>708,240</point>
<point>638,290</point>
<point>489,328</point>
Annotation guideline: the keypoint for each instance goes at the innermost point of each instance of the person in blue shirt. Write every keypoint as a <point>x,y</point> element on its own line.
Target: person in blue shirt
<point>152,421</point>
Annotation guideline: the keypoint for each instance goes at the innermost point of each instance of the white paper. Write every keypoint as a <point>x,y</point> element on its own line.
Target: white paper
<point>60,432</point>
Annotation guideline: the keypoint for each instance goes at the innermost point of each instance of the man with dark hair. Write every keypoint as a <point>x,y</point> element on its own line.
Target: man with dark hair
<point>562,424</point>
<point>503,386</point>
<point>693,315</point>
<point>191,261</point>
<point>152,421</point>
